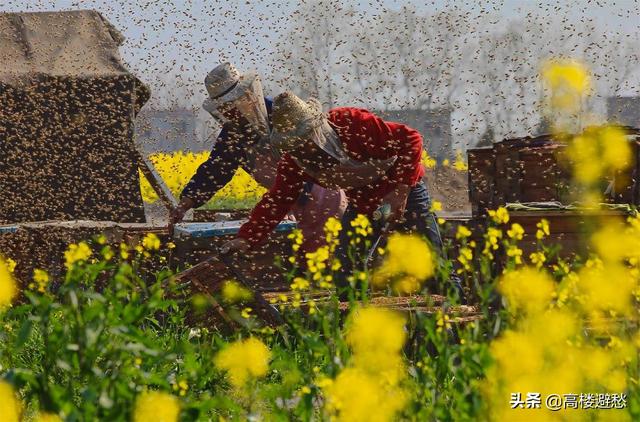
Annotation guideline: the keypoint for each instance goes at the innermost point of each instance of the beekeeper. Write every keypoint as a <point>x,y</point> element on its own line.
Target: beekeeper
<point>374,161</point>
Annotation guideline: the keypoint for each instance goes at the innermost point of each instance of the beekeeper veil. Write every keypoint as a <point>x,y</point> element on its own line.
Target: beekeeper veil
<point>238,98</point>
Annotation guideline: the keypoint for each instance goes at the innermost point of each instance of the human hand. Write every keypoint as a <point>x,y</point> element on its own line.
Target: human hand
<point>397,200</point>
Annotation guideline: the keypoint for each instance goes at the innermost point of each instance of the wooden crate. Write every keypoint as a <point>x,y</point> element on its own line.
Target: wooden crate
<point>535,169</point>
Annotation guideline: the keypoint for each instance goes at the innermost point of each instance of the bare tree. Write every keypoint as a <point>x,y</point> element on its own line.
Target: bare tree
<point>307,58</point>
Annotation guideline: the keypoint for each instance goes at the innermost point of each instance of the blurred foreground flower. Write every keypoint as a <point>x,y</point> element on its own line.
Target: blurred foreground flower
<point>11,264</point>
<point>598,153</point>
<point>526,289</point>
<point>368,388</point>
<point>156,406</point>
<point>568,81</point>
<point>243,360</point>
<point>408,262</point>
<point>234,292</point>
<point>356,396</point>
<point>8,287</point>
<point>10,406</point>
<point>375,330</point>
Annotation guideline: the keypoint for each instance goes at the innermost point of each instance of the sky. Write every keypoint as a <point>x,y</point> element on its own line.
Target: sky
<point>176,43</point>
<point>191,37</point>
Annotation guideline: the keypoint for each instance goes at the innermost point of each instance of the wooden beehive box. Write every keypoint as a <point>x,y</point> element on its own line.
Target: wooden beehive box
<point>536,170</point>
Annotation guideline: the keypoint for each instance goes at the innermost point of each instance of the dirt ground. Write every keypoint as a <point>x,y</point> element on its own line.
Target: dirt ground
<point>450,187</point>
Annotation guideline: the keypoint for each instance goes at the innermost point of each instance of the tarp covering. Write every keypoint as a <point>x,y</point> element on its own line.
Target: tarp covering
<point>71,44</point>
<point>67,109</point>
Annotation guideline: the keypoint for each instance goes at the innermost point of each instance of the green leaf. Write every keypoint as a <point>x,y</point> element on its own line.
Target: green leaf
<point>23,333</point>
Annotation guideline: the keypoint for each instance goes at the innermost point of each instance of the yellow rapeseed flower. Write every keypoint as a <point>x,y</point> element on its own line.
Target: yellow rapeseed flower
<point>516,253</point>
<point>243,360</point>
<point>436,206</point>
<point>499,216</point>
<point>332,228</point>
<point>543,229</point>
<point>362,225</point>
<point>41,277</point>
<point>462,232</point>
<point>443,322</point>
<point>151,242</point>
<point>10,405</point>
<point>124,251</point>
<point>177,168</point>
<point>465,258</point>
<point>76,253</point>
<point>8,286</point>
<point>155,406</point>
<point>516,231</point>
<point>300,283</point>
<point>317,261</point>
<point>537,258</point>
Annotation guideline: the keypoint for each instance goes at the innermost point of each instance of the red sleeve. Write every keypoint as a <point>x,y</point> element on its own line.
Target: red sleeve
<point>360,128</point>
<point>408,144</point>
<point>275,204</point>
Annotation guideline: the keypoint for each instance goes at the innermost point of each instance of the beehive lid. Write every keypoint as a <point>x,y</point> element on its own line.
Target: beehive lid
<point>221,228</point>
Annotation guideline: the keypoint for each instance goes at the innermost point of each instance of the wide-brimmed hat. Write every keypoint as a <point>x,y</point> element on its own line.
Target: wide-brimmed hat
<point>225,84</point>
<point>294,119</point>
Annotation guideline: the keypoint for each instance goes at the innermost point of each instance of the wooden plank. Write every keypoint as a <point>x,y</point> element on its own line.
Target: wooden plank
<point>208,278</point>
<point>157,183</point>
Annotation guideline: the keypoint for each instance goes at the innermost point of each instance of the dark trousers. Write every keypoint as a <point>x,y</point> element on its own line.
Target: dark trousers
<point>418,219</point>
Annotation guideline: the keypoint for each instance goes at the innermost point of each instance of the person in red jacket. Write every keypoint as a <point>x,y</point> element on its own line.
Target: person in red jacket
<point>376,162</point>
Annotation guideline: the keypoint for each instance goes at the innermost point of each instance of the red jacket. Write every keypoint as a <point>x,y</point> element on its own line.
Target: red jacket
<point>364,136</point>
